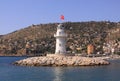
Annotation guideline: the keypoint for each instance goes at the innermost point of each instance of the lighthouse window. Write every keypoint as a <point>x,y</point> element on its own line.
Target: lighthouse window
<point>59,44</point>
<point>60,27</point>
<point>59,32</point>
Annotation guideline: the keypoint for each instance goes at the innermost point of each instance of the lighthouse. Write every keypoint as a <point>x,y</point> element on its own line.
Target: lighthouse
<point>60,40</point>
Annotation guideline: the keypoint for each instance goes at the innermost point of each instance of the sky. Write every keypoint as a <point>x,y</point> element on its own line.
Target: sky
<point>18,14</point>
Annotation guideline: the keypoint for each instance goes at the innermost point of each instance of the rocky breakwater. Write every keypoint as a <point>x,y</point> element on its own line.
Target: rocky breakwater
<point>61,61</point>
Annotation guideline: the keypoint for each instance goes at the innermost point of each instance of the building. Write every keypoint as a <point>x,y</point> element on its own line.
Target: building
<point>60,40</point>
<point>90,49</point>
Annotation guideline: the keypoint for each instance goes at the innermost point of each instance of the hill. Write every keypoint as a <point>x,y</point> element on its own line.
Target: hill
<point>37,39</point>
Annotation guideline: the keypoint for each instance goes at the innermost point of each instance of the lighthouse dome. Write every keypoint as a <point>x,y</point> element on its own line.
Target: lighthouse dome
<point>60,26</point>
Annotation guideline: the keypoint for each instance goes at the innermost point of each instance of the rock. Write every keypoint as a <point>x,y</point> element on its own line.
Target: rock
<point>61,61</point>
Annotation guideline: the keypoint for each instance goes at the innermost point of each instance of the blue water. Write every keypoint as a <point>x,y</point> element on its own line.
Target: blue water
<point>9,72</point>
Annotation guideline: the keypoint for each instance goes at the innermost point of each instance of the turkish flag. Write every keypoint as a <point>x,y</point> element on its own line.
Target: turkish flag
<point>62,17</point>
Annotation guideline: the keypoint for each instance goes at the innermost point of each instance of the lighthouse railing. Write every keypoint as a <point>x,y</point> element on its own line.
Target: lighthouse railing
<point>60,35</point>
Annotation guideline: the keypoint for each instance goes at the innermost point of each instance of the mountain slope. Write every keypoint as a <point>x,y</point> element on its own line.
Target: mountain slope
<point>37,39</point>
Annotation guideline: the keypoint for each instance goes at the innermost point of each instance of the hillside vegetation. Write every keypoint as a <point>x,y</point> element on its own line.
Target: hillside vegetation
<point>37,39</point>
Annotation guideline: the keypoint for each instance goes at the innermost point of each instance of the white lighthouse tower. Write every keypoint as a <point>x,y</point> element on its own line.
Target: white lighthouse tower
<point>60,40</point>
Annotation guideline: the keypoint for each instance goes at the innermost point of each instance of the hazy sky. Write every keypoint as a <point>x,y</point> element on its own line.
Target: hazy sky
<point>17,14</point>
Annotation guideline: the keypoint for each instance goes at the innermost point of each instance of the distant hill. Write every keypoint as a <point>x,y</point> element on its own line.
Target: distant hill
<point>37,39</point>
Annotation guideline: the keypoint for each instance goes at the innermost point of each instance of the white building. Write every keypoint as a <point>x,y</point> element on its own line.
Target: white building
<point>60,40</point>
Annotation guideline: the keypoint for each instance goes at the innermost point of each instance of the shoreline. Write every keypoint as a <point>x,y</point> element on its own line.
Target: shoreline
<point>111,57</point>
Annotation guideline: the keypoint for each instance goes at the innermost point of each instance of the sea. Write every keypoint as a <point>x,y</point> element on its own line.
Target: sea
<point>10,72</point>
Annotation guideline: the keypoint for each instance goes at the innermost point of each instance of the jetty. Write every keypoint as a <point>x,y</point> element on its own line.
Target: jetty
<point>61,61</point>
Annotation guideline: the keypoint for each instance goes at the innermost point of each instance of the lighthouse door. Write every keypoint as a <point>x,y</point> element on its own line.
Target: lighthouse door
<point>59,51</point>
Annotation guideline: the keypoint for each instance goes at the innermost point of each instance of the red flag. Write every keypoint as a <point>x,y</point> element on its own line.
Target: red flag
<point>62,17</point>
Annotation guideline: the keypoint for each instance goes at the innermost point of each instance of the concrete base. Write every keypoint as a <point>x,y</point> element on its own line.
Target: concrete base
<point>57,55</point>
